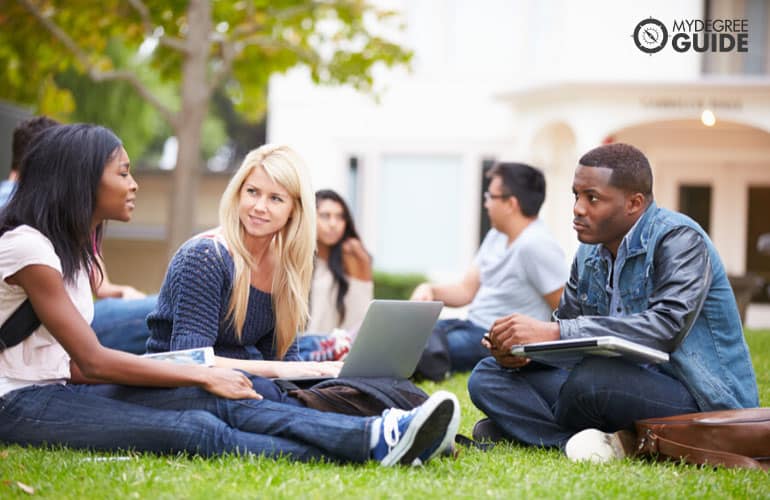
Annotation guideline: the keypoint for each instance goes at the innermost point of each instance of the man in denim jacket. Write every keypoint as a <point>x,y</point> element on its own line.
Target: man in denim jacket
<point>642,273</point>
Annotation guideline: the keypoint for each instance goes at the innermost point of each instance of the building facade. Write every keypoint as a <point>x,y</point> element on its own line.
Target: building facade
<point>541,82</point>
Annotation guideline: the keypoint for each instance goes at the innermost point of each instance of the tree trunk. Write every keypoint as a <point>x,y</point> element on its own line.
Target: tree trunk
<point>189,128</point>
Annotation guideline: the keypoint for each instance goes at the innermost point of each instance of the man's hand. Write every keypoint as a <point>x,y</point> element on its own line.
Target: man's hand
<point>518,329</point>
<point>504,358</point>
<point>423,292</point>
<point>131,293</point>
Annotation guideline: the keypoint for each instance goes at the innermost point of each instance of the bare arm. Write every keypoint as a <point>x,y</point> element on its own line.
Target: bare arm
<point>554,297</point>
<point>274,369</point>
<point>356,260</point>
<point>454,294</point>
<point>45,289</point>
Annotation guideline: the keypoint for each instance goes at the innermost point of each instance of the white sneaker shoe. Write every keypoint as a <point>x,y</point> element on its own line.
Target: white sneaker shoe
<point>596,446</point>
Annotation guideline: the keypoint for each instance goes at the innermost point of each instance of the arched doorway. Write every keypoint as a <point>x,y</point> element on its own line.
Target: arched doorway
<point>720,175</point>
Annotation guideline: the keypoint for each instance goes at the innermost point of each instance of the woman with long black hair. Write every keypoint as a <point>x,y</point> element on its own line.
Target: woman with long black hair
<point>342,284</point>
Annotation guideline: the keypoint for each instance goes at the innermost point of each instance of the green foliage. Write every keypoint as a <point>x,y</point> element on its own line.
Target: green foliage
<point>505,471</point>
<point>116,105</point>
<point>395,286</point>
<point>335,39</point>
<point>759,345</point>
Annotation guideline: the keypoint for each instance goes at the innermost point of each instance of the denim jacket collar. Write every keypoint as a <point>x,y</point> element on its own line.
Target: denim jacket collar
<point>639,236</point>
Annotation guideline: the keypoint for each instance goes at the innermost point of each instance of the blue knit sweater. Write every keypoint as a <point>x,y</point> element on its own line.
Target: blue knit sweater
<point>192,307</point>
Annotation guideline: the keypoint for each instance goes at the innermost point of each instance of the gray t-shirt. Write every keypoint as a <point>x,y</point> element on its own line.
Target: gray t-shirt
<point>515,278</point>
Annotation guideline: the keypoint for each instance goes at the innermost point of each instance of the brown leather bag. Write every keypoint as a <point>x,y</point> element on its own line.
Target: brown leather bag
<point>731,438</point>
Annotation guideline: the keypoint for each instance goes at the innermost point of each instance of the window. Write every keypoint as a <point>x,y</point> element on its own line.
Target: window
<point>695,201</point>
<point>418,214</point>
<point>484,225</point>
<point>757,60</point>
<point>353,184</point>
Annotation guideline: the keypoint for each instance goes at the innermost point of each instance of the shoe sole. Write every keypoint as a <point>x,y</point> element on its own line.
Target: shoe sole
<point>449,438</point>
<point>430,423</point>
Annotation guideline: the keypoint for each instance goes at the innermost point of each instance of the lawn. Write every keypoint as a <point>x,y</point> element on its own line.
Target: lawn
<point>506,471</point>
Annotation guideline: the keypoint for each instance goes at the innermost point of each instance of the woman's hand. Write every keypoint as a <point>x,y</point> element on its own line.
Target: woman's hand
<point>356,260</point>
<point>291,369</point>
<point>229,384</point>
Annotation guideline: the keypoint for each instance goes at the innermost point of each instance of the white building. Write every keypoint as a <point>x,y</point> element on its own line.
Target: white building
<point>541,82</point>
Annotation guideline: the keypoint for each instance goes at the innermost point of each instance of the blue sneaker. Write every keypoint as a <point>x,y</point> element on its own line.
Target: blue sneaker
<point>446,445</point>
<point>414,437</point>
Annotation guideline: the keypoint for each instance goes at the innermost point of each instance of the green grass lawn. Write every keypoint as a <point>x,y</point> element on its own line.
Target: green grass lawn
<point>506,471</point>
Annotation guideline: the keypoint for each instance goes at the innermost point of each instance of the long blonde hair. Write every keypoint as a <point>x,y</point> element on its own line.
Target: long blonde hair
<point>294,245</point>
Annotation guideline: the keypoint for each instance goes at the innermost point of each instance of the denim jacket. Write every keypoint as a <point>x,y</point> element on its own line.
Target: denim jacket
<point>677,298</point>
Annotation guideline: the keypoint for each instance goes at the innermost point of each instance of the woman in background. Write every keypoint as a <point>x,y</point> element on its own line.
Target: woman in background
<point>342,282</point>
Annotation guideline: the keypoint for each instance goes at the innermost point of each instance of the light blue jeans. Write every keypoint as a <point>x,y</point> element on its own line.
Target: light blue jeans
<point>122,323</point>
<point>544,406</point>
<point>185,419</point>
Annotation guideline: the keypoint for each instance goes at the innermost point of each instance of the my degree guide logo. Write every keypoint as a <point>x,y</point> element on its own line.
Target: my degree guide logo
<point>700,35</point>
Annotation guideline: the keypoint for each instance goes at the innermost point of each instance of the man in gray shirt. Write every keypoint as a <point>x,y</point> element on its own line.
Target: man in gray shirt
<point>519,268</point>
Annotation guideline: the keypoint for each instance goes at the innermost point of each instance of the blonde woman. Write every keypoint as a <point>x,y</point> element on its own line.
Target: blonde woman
<point>242,287</point>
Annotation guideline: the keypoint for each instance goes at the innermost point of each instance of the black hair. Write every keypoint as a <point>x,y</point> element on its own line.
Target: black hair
<point>23,135</point>
<point>335,252</point>
<point>524,182</point>
<point>57,189</point>
<point>631,170</point>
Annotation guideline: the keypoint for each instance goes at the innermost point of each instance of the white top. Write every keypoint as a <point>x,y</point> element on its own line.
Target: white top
<point>39,359</point>
<point>323,299</point>
<point>514,278</point>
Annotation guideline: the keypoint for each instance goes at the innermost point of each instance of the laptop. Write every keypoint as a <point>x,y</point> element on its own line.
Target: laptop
<point>390,340</point>
<point>566,351</point>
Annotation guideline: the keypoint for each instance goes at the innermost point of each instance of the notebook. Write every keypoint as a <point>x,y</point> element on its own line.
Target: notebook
<point>565,351</point>
<point>195,356</point>
<point>390,340</point>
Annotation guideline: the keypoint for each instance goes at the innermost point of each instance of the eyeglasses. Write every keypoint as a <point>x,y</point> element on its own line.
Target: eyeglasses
<point>489,196</point>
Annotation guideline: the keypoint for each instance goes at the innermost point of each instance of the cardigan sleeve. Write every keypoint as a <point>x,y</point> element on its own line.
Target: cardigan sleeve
<point>198,275</point>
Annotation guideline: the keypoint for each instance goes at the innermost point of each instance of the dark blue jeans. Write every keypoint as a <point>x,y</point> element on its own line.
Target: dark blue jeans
<point>464,341</point>
<point>544,406</point>
<point>185,419</point>
<point>122,324</point>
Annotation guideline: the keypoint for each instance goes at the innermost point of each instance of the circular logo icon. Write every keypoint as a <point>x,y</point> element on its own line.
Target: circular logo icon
<point>650,35</point>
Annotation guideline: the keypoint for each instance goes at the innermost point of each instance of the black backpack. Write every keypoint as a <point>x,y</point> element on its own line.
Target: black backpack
<point>18,326</point>
<point>362,396</point>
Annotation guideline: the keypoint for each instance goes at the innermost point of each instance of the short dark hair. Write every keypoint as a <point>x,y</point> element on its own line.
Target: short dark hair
<point>23,135</point>
<point>57,191</point>
<point>522,181</point>
<point>630,168</point>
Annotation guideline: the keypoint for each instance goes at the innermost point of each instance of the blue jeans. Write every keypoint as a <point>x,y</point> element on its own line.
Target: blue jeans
<point>307,344</point>
<point>544,406</point>
<point>464,341</point>
<point>185,419</point>
<point>122,324</point>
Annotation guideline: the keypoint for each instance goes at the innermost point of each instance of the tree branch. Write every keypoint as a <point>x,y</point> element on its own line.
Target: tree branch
<point>277,43</point>
<point>169,41</point>
<point>98,75</point>
<point>228,55</point>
